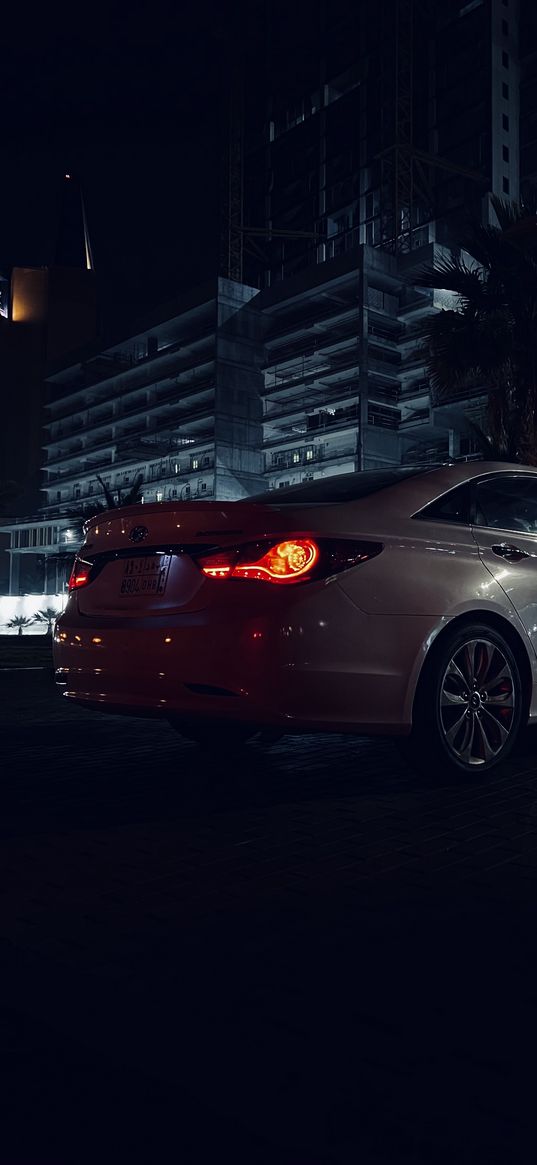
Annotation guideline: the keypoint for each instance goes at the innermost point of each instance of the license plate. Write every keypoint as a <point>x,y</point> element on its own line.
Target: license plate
<point>146,575</point>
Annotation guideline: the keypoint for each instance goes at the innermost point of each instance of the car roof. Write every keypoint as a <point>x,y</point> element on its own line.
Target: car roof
<point>363,485</point>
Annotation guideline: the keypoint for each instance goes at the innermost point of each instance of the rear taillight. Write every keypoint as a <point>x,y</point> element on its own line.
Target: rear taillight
<point>291,560</point>
<point>80,574</point>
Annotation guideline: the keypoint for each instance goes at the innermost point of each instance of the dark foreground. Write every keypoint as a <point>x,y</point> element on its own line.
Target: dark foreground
<point>314,957</point>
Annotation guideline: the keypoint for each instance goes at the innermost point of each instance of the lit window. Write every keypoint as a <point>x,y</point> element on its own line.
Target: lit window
<point>160,495</point>
<point>296,456</point>
<point>176,467</point>
<point>309,454</point>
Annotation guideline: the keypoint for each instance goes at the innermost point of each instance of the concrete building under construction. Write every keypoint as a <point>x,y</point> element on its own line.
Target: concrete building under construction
<point>371,136</point>
<point>360,140</point>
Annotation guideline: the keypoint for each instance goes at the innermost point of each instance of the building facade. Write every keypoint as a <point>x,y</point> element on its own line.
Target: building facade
<point>176,406</point>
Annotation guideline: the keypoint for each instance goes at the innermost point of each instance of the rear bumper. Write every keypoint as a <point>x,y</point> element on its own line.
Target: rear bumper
<point>313,663</point>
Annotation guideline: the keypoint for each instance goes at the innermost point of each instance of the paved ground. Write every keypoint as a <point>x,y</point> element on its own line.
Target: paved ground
<point>316,958</point>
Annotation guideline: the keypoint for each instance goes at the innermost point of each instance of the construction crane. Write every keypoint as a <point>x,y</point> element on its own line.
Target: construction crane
<point>68,201</point>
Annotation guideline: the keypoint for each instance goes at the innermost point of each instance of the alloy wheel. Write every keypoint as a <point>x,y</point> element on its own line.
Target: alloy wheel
<point>477,702</point>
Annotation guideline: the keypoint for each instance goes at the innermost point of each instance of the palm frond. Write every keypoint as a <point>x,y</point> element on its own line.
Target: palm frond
<point>465,350</point>
<point>490,341</point>
<point>134,493</point>
<point>110,499</point>
<point>507,212</point>
<point>485,244</point>
<point>453,275</point>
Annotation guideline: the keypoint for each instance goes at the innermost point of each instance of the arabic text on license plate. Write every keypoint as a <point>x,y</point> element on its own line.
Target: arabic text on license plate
<point>145,575</point>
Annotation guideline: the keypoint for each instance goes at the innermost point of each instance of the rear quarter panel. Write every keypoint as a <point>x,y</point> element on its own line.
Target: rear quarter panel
<point>427,580</point>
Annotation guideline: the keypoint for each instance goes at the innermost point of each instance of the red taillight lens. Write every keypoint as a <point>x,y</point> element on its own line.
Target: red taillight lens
<point>287,561</point>
<point>80,574</point>
<point>280,563</point>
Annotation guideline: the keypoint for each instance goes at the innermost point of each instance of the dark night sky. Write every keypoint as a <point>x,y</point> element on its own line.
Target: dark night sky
<point>128,100</point>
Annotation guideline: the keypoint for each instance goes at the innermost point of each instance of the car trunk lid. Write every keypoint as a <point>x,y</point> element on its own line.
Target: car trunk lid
<point>143,555</point>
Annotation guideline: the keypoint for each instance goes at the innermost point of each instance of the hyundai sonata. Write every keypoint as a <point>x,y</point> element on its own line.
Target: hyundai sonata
<point>394,601</point>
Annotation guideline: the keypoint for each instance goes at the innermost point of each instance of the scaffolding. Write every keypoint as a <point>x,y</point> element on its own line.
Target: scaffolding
<point>406,171</point>
<point>404,182</point>
<point>407,198</point>
<point>231,260</point>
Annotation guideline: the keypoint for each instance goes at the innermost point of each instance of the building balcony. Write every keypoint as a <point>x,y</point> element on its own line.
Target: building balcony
<point>337,363</point>
<point>299,406</point>
<point>414,389</point>
<point>382,417</point>
<point>384,335</point>
<point>413,360</point>
<point>384,355</point>
<point>149,481</point>
<point>81,454</point>
<point>335,311</point>
<point>417,419</point>
<point>153,407</point>
<point>163,445</point>
<point>414,304</point>
<point>66,511</point>
<point>85,470</point>
<point>377,415</point>
<point>318,455</point>
<point>206,465</point>
<point>64,407</point>
<point>310,345</point>
<point>110,365</point>
<point>316,424</point>
<point>124,435</point>
<point>462,395</point>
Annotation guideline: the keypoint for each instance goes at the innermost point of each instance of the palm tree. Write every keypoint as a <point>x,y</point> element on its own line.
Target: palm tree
<point>47,615</point>
<point>20,621</point>
<point>113,501</point>
<point>490,339</point>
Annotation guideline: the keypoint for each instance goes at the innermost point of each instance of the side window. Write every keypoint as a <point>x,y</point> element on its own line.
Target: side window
<point>451,507</point>
<point>509,503</point>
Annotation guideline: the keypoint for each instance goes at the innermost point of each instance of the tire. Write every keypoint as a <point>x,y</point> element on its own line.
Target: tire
<point>469,707</point>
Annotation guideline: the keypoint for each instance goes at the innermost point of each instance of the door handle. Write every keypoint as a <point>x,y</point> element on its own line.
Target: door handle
<point>509,552</point>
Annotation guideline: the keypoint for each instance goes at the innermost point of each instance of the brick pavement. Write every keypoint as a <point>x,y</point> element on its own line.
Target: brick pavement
<point>332,958</point>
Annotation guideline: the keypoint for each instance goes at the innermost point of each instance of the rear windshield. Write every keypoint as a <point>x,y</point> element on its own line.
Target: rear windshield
<point>345,487</point>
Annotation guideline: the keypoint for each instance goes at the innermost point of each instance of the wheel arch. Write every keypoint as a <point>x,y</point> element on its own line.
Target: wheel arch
<point>497,623</point>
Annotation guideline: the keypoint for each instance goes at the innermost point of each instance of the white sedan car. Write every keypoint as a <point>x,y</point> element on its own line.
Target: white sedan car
<point>398,601</point>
